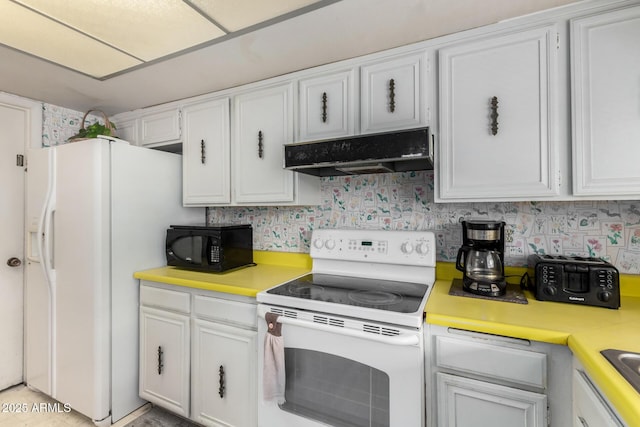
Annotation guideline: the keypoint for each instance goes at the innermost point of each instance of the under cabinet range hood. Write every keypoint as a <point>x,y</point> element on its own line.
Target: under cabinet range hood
<point>398,151</point>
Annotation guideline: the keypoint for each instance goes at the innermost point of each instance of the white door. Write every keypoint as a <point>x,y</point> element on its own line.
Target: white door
<point>15,135</point>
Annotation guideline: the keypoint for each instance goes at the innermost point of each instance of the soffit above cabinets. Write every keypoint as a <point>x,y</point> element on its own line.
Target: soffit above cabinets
<point>105,38</point>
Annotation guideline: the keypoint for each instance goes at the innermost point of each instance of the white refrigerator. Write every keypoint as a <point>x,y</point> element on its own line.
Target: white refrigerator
<point>97,211</point>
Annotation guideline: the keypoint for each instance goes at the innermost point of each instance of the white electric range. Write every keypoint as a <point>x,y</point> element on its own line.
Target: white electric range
<point>352,330</point>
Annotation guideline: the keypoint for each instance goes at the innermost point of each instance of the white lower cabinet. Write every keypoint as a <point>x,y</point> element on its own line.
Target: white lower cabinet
<point>198,354</point>
<point>164,359</point>
<point>463,402</point>
<point>224,381</point>
<point>590,409</point>
<point>481,380</point>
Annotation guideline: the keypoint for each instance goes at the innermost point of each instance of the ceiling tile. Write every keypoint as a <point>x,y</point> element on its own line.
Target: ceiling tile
<point>145,29</point>
<point>39,36</point>
<point>235,15</point>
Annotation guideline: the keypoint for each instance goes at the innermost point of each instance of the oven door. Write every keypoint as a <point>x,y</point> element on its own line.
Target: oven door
<point>342,376</point>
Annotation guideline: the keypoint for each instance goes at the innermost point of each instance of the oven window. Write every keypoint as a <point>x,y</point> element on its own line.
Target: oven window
<point>338,391</point>
<point>188,248</point>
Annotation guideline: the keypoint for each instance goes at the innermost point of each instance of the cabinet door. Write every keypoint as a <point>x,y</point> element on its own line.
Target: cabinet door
<point>463,402</point>
<point>513,154</point>
<point>164,359</point>
<point>206,156</point>
<point>605,100</point>
<point>263,124</point>
<point>327,106</point>
<point>393,93</point>
<point>127,130</point>
<point>160,126</point>
<point>224,385</point>
<point>589,409</point>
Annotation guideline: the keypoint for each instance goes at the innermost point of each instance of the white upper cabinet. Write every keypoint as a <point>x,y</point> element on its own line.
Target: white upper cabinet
<point>393,93</point>
<point>126,127</point>
<point>497,118</point>
<point>605,62</point>
<point>263,123</point>
<point>160,125</point>
<point>206,153</point>
<point>327,105</point>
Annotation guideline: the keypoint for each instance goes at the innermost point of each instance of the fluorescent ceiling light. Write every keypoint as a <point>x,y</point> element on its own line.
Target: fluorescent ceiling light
<point>104,38</point>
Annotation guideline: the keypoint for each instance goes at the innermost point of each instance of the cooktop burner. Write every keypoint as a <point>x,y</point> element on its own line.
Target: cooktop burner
<point>401,297</point>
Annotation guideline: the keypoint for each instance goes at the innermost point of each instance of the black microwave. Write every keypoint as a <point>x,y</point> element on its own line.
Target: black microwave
<point>214,248</point>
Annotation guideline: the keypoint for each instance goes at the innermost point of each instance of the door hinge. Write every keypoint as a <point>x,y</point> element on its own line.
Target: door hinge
<point>557,41</point>
<point>20,160</point>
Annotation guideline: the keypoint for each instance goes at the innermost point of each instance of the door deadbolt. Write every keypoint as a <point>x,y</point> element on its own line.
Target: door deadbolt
<point>14,262</point>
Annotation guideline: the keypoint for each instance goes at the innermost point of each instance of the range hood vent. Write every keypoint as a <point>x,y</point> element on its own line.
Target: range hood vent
<point>399,151</point>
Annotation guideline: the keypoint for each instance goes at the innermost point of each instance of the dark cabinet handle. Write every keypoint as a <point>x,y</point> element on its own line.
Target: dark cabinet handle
<point>324,107</point>
<point>202,155</point>
<point>260,145</point>
<point>221,382</point>
<point>160,365</point>
<point>494,115</point>
<point>392,95</point>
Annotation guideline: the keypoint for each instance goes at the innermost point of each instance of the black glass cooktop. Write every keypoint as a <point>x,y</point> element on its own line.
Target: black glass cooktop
<point>401,297</point>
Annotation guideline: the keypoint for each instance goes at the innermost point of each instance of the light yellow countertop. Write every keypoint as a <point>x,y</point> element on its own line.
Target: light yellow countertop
<point>273,268</point>
<point>586,330</point>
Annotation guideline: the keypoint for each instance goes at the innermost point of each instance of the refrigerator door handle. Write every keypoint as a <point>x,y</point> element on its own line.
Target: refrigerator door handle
<point>45,226</point>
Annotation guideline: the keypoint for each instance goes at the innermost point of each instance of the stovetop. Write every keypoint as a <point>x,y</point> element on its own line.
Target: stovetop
<point>386,295</point>
<point>383,276</point>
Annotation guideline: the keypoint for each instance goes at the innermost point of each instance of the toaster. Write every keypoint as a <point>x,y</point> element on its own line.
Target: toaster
<point>575,280</point>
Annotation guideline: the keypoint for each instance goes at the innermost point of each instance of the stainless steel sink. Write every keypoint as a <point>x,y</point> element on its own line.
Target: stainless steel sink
<point>627,363</point>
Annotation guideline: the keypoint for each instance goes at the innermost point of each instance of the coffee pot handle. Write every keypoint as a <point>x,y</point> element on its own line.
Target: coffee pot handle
<point>460,259</point>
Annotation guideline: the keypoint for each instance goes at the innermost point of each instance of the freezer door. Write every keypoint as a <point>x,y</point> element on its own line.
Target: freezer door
<point>37,303</point>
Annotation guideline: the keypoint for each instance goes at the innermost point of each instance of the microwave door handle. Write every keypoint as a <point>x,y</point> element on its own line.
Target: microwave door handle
<point>399,340</point>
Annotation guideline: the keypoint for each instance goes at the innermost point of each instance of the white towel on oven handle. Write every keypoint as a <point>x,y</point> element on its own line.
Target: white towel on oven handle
<point>273,374</point>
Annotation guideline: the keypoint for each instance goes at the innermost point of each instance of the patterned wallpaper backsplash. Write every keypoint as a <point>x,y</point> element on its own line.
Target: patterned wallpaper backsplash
<point>404,201</point>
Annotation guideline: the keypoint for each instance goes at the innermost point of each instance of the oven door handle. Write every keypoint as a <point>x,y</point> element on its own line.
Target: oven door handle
<point>400,340</point>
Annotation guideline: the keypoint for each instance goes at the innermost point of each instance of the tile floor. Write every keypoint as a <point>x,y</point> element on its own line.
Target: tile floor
<point>22,407</point>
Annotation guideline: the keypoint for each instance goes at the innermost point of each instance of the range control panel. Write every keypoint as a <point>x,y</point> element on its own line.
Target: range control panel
<point>383,246</point>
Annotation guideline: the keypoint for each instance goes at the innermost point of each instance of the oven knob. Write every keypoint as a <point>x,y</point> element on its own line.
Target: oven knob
<point>422,248</point>
<point>550,290</point>
<point>330,244</point>
<point>406,248</point>
<point>317,243</point>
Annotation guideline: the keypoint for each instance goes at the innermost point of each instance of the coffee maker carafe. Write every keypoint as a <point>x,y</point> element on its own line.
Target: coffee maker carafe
<point>481,257</point>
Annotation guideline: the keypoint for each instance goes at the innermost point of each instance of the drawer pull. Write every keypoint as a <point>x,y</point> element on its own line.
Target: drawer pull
<point>221,382</point>
<point>160,365</point>
<point>324,107</point>
<point>260,145</point>
<point>494,115</point>
<point>392,95</point>
<point>202,155</point>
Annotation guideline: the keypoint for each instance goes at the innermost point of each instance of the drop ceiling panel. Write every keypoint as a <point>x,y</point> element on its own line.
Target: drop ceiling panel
<point>57,43</point>
<point>235,15</point>
<point>145,29</point>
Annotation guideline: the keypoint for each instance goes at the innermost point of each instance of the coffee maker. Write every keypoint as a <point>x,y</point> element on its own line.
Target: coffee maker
<point>481,257</point>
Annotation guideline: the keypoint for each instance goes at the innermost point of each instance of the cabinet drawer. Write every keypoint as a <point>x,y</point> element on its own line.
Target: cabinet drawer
<point>226,311</point>
<point>501,363</point>
<point>165,298</point>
